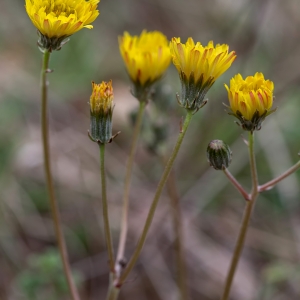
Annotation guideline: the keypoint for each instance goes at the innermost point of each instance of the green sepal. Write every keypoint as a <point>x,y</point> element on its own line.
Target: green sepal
<point>101,126</point>
<point>193,92</point>
<point>256,121</point>
<point>143,92</point>
<point>50,44</point>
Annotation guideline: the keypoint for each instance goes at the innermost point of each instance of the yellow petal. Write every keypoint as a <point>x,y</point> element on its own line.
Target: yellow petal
<point>61,18</point>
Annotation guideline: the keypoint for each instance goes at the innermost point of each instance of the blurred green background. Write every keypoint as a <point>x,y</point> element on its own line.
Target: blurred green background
<point>265,36</point>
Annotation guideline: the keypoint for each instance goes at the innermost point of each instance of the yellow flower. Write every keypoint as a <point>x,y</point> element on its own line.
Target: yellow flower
<point>146,57</point>
<point>199,67</point>
<point>101,109</point>
<point>102,97</point>
<point>58,19</point>
<point>250,99</point>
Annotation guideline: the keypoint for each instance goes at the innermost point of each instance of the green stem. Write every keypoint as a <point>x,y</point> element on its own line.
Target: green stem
<point>152,209</point>
<point>245,222</point>
<point>124,221</point>
<point>105,209</point>
<point>53,203</point>
<point>253,165</point>
<point>113,291</point>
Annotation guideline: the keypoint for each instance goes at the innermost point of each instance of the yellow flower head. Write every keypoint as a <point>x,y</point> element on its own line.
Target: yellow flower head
<point>199,66</point>
<point>146,56</point>
<point>250,99</point>
<point>208,61</point>
<point>58,19</point>
<point>101,108</point>
<point>102,97</point>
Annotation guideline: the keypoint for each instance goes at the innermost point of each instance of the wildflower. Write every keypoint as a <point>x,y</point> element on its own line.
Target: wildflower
<point>146,58</point>
<point>218,154</point>
<point>198,67</point>
<point>250,99</point>
<point>101,109</point>
<point>56,20</point>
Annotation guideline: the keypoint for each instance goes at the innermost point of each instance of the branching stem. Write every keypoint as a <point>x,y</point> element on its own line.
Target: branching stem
<point>245,222</point>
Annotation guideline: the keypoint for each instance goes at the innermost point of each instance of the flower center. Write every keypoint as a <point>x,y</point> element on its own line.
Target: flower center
<point>59,9</point>
<point>248,87</point>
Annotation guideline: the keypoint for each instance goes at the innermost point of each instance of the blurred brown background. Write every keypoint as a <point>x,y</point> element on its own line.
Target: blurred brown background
<point>265,36</point>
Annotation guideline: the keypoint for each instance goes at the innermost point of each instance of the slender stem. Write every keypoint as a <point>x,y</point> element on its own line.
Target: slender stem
<point>177,224</point>
<point>253,166</point>
<point>152,209</point>
<point>124,221</point>
<point>105,209</point>
<point>237,185</point>
<point>271,183</point>
<point>245,222</point>
<point>238,249</point>
<point>53,203</point>
<point>113,291</point>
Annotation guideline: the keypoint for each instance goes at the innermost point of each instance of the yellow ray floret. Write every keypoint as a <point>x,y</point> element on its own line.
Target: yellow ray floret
<point>204,62</point>
<point>146,56</point>
<point>254,94</point>
<point>102,96</point>
<point>59,18</point>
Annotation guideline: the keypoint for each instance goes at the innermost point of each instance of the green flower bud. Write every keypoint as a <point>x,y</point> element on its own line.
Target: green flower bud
<point>218,154</point>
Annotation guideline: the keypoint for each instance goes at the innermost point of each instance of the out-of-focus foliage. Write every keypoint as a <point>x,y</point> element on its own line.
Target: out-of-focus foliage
<point>44,276</point>
<point>265,36</point>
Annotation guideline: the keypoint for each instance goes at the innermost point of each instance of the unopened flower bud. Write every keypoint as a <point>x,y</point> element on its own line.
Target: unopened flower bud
<point>101,108</point>
<point>218,154</point>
